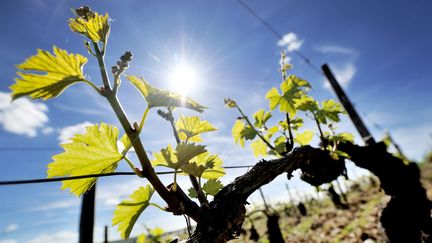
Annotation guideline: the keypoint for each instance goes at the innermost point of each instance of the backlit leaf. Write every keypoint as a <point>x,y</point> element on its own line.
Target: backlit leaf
<point>279,144</point>
<point>259,148</point>
<point>60,70</point>
<point>306,103</point>
<point>193,169</point>
<point>163,98</point>
<point>304,138</point>
<point>175,159</point>
<point>212,187</point>
<point>261,117</point>
<point>128,211</point>
<point>90,24</point>
<point>190,127</point>
<point>248,133</point>
<point>94,152</point>
<point>274,97</point>
<point>329,110</point>
<point>205,165</point>
<point>237,132</point>
<point>141,238</point>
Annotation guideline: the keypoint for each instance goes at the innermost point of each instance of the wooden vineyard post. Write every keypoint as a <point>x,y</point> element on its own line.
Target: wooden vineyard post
<point>87,216</point>
<point>343,98</point>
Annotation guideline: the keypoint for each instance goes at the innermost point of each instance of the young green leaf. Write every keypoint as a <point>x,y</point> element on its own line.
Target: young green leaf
<point>261,117</point>
<point>230,103</point>
<point>342,137</point>
<point>94,152</point>
<point>190,127</point>
<point>212,187</point>
<point>175,159</point>
<point>279,144</point>
<point>193,169</point>
<point>142,238</point>
<point>128,211</point>
<point>205,165</point>
<point>274,97</point>
<point>214,164</point>
<point>295,123</point>
<point>237,132</point>
<point>90,24</point>
<point>306,103</point>
<point>61,70</point>
<point>192,193</point>
<point>259,148</point>
<point>163,98</point>
<point>156,232</point>
<point>304,138</point>
<point>329,110</point>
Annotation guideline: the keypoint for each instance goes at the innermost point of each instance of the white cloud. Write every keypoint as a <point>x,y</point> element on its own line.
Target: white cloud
<point>55,237</point>
<point>68,132</point>
<point>22,116</point>
<point>10,228</point>
<point>343,74</point>
<point>337,50</point>
<point>47,130</point>
<point>291,42</point>
<point>8,241</point>
<point>56,205</point>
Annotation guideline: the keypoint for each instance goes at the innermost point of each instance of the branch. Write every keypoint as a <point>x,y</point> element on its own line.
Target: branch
<point>223,221</point>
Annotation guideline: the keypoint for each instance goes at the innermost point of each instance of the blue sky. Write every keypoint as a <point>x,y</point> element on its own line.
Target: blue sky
<point>380,51</point>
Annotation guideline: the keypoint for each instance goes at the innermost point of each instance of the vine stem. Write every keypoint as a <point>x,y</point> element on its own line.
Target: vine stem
<point>195,184</point>
<point>253,127</point>
<point>289,128</point>
<point>147,169</point>
<point>319,128</point>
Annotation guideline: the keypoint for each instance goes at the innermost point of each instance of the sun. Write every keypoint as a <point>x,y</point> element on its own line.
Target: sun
<point>183,78</point>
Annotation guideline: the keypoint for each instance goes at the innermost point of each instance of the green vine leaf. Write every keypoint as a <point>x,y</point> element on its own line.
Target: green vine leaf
<point>292,89</point>
<point>306,103</point>
<point>192,193</point>
<point>194,169</point>
<point>304,138</point>
<point>128,211</point>
<point>295,123</point>
<point>90,24</point>
<point>214,164</point>
<point>279,144</point>
<point>342,137</point>
<point>94,152</point>
<point>205,165</point>
<point>259,148</point>
<point>236,132</point>
<point>329,110</point>
<point>61,70</point>
<point>212,187</point>
<point>190,127</point>
<point>261,117</point>
<point>183,153</point>
<point>163,98</point>
<point>274,97</point>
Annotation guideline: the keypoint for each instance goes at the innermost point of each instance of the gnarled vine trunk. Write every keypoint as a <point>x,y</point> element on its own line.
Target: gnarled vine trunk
<point>405,218</point>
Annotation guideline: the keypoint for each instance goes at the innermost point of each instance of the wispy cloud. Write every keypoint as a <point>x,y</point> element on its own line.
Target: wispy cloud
<point>54,237</point>
<point>291,42</point>
<point>337,50</point>
<point>68,132</point>
<point>343,74</point>
<point>22,116</point>
<point>8,241</point>
<point>55,205</point>
<point>10,228</point>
